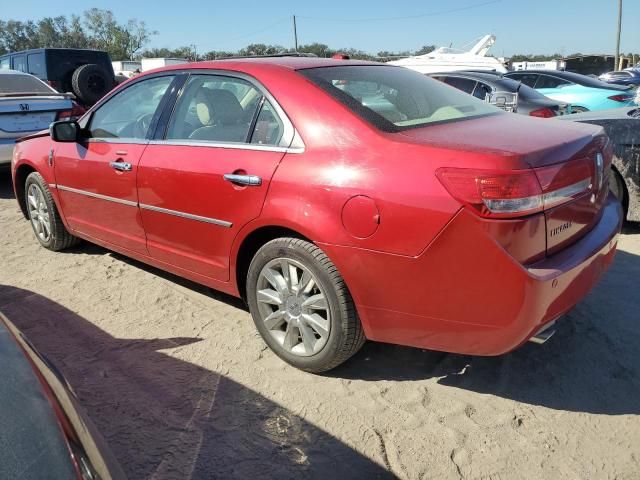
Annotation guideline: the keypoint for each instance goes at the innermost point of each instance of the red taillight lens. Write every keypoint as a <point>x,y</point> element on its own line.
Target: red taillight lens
<point>515,193</point>
<point>543,113</point>
<point>620,98</point>
<point>54,84</point>
<point>75,112</point>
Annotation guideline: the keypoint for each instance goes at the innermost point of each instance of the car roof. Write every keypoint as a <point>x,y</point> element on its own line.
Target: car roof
<point>6,71</point>
<point>489,77</point>
<point>291,63</point>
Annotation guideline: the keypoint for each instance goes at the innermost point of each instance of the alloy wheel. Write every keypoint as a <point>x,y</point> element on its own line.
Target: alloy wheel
<point>293,307</point>
<point>39,212</point>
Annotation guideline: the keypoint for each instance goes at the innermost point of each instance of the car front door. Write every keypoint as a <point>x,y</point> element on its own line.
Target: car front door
<point>96,177</point>
<point>208,173</point>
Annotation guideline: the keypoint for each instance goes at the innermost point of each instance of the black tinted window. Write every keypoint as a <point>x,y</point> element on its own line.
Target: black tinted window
<point>481,91</point>
<point>36,66</point>
<point>546,81</point>
<point>463,84</point>
<point>20,63</point>
<point>528,79</point>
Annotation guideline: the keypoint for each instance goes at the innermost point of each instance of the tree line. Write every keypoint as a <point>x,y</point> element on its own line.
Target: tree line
<point>99,29</point>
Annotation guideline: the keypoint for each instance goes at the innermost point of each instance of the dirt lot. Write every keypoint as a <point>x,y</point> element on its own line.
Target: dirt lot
<point>181,386</point>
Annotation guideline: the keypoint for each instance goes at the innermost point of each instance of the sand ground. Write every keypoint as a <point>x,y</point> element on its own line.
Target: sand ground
<point>181,386</point>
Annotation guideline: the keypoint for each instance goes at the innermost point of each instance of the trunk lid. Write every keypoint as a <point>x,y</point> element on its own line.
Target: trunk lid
<point>516,142</point>
<point>22,115</point>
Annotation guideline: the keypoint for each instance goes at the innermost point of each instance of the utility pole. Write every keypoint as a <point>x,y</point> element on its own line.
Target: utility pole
<point>616,66</point>
<point>295,34</point>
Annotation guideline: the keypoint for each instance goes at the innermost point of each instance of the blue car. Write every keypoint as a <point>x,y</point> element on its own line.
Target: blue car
<point>624,77</point>
<point>582,92</point>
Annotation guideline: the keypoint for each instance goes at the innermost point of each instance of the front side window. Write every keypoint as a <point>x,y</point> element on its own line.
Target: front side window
<point>128,113</point>
<point>545,81</point>
<point>215,108</point>
<point>396,98</point>
<point>5,63</point>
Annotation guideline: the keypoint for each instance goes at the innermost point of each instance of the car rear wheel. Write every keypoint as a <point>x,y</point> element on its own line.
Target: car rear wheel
<point>301,305</point>
<point>44,217</point>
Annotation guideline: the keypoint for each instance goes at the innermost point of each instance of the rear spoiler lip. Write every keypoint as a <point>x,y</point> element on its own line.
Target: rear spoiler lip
<point>42,133</point>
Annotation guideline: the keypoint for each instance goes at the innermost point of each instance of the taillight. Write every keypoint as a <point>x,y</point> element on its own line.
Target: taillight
<point>620,98</point>
<point>543,113</point>
<point>75,112</point>
<point>54,84</point>
<point>515,193</point>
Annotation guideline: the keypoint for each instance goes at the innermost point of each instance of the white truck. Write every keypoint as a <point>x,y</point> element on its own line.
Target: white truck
<point>151,63</point>
<point>126,68</point>
<point>550,65</point>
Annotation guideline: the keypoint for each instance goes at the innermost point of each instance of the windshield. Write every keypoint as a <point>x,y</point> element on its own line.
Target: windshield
<point>17,83</point>
<point>396,98</point>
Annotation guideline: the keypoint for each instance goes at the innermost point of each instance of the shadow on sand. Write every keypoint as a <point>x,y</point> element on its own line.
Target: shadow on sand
<point>167,418</point>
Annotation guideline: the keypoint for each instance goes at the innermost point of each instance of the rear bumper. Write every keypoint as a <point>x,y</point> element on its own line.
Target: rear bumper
<point>6,150</point>
<point>465,294</point>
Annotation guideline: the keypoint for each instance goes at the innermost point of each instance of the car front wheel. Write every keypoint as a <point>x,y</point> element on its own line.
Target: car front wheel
<point>301,305</point>
<point>44,217</point>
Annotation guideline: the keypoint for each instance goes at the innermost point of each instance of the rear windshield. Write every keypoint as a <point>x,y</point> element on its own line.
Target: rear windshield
<point>395,98</point>
<point>16,83</point>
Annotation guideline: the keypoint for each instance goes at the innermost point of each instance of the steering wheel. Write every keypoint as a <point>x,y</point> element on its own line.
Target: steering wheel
<point>141,126</point>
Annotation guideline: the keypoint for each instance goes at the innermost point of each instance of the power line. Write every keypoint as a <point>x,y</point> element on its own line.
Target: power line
<point>408,17</point>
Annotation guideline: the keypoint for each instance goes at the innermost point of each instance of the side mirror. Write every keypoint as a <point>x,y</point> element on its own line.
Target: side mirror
<point>65,131</point>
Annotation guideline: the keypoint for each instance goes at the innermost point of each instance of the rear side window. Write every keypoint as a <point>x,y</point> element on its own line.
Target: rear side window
<point>215,108</point>
<point>395,98</point>
<point>545,81</point>
<point>17,83</point>
<point>269,128</point>
<point>20,63</point>
<point>35,64</point>
<point>481,91</point>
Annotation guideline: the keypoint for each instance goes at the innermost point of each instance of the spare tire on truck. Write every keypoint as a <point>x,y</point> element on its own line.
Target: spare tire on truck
<point>90,83</point>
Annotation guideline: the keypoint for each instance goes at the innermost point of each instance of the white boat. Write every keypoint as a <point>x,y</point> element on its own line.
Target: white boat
<point>446,59</point>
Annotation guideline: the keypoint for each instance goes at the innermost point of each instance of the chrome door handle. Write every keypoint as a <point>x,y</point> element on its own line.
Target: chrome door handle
<point>122,166</point>
<point>250,180</point>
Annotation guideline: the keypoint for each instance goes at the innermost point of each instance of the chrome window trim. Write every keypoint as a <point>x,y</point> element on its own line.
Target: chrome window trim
<point>129,203</point>
<point>98,196</point>
<point>189,216</point>
<point>229,145</point>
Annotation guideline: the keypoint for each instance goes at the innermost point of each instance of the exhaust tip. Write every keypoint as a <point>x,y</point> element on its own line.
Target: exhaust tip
<point>544,334</point>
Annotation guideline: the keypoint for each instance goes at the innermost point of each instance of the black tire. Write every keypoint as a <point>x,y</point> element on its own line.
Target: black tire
<point>90,83</point>
<point>59,238</point>
<point>345,334</point>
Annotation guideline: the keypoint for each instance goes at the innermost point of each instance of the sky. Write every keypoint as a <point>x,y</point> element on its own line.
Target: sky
<point>521,26</point>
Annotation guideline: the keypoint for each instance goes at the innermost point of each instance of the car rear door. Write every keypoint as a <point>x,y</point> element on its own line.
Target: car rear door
<point>207,173</point>
<point>96,178</point>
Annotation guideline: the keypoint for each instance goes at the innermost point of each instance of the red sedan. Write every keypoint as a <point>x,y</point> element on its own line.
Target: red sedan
<point>342,200</point>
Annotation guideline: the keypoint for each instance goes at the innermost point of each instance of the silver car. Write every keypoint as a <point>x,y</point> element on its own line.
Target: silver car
<point>28,105</point>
